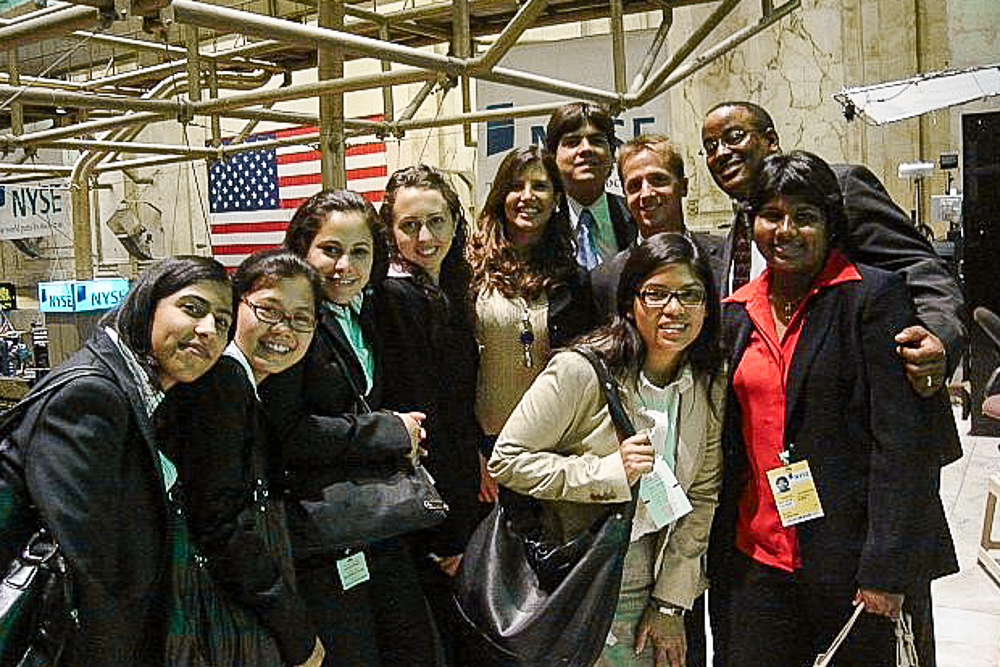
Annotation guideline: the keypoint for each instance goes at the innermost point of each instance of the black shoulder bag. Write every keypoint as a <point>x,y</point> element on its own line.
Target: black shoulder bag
<point>526,601</point>
<point>370,507</point>
<point>36,594</point>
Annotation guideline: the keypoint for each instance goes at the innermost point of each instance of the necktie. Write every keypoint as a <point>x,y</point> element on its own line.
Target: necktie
<point>585,253</point>
<point>741,253</point>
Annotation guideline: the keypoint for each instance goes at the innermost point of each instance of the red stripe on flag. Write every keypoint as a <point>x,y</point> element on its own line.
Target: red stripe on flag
<point>367,172</point>
<point>366,149</point>
<point>374,197</point>
<point>241,248</point>
<point>293,203</point>
<point>242,227</point>
<point>297,131</point>
<point>303,156</point>
<point>300,179</point>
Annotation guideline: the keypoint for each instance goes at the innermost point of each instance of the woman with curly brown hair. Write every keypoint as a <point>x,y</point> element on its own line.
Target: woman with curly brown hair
<point>528,293</point>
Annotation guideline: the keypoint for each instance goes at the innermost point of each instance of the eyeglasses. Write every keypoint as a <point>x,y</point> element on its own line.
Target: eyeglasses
<point>659,297</point>
<point>439,225</point>
<point>298,322</point>
<point>731,138</point>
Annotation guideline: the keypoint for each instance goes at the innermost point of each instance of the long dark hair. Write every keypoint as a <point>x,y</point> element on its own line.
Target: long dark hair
<point>805,175</point>
<point>494,262</point>
<point>619,341</point>
<point>313,212</point>
<point>133,317</point>
<point>456,273</point>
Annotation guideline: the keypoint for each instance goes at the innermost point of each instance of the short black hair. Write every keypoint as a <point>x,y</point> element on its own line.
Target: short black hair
<point>806,175</point>
<point>571,117</point>
<point>762,120</point>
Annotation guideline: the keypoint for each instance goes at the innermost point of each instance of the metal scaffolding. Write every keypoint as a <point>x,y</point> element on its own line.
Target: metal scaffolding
<point>193,80</point>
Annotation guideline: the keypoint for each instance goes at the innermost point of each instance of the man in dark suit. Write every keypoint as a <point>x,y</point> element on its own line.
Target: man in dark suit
<point>581,137</point>
<point>737,136</point>
<point>652,175</point>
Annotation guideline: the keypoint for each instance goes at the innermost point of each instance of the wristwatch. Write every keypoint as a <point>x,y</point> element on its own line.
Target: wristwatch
<point>669,610</point>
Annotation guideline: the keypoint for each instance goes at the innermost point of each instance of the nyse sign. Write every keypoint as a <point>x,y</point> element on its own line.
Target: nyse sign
<point>76,296</point>
<point>33,211</point>
<point>586,61</point>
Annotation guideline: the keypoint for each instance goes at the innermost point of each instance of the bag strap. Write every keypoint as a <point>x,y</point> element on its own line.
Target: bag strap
<point>823,659</point>
<point>612,392</point>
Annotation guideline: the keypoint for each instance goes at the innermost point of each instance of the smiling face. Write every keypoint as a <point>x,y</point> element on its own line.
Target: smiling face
<point>791,234</point>
<point>528,206</point>
<point>342,252</point>
<point>734,149</point>
<point>190,329</point>
<point>584,160</point>
<point>667,330</point>
<point>273,348</point>
<point>653,193</point>
<point>423,227</point>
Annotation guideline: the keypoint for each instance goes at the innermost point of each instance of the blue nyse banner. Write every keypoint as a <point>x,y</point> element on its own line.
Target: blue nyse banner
<point>76,296</point>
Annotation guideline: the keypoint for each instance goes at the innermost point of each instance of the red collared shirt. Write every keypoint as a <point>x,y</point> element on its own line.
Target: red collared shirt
<point>759,382</point>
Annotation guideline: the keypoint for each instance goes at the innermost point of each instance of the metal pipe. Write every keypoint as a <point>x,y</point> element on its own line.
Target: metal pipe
<point>89,100</point>
<point>249,23</point>
<point>692,42</point>
<point>388,104</point>
<point>16,109</point>
<point>346,84</point>
<point>525,17</point>
<point>475,117</point>
<point>14,168</point>
<point>418,99</point>
<point>87,127</point>
<point>461,28</point>
<point>193,63</point>
<point>618,46</point>
<point>545,84</point>
<point>722,47</point>
<point>55,24</point>
<point>330,66</point>
<point>666,21</point>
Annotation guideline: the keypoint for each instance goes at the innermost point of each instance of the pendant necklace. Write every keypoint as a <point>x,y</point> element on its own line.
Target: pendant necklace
<point>527,334</point>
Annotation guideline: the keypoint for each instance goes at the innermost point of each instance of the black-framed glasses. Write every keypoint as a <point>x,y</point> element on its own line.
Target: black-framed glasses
<point>268,315</point>
<point>659,297</point>
<point>731,138</point>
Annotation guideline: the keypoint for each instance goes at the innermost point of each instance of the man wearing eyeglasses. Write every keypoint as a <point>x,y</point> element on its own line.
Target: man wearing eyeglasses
<point>737,136</point>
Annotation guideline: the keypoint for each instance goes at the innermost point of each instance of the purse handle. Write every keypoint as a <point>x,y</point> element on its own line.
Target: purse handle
<point>612,393</point>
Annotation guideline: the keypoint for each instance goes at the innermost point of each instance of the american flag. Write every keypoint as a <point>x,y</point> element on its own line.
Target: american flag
<point>253,194</point>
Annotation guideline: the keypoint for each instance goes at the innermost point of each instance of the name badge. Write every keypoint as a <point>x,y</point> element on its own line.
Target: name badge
<point>794,493</point>
<point>353,570</point>
<point>662,495</point>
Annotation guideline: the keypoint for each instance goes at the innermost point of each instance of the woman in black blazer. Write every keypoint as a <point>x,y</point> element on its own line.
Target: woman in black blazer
<point>215,431</point>
<point>430,345</point>
<point>92,464</point>
<point>816,382</point>
<point>326,411</point>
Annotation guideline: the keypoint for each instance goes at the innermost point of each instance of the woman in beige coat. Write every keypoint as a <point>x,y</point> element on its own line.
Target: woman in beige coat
<point>560,446</point>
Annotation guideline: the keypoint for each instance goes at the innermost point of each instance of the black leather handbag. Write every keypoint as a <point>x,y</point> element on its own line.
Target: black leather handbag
<point>368,508</point>
<point>36,594</point>
<point>529,601</point>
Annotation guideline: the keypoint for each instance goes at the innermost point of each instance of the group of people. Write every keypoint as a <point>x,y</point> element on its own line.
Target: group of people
<point>792,390</point>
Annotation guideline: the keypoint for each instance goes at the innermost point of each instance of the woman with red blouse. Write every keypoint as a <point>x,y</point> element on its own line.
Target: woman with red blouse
<point>830,490</point>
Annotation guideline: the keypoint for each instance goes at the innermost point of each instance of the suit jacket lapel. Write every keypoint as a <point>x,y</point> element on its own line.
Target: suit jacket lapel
<point>815,329</point>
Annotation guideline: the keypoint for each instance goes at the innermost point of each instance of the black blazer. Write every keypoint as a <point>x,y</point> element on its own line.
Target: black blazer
<point>92,470</point>
<point>431,357</point>
<point>313,405</point>
<point>869,438</point>
<point>882,235</point>
<point>211,428</point>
